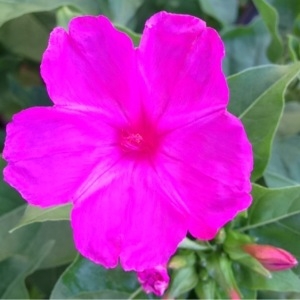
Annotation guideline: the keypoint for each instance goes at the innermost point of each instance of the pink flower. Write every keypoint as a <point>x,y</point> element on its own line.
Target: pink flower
<point>155,280</point>
<point>138,139</point>
<point>272,258</point>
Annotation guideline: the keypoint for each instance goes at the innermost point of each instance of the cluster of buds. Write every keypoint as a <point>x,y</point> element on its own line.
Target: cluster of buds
<point>271,258</point>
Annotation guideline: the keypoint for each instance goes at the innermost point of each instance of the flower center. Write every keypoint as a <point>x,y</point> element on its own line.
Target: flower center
<point>133,142</point>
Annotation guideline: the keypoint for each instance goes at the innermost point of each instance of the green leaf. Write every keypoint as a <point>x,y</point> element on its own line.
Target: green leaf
<point>36,29</point>
<point>184,279</point>
<point>10,199</point>
<point>284,165</point>
<point>294,47</point>
<point>16,8</point>
<point>252,39</point>
<point>206,289</point>
<point>193,245</point>
<point>274,218</point>
<point>272,205</point>
<point>288,10</point>
<point>270,18</point>
<point>122,12</point>
<point>34,237</point>
<point>86,278</point>
<point>34,214</point>
<point>64,14</point>
<point>14,270</point>
<point>223,11</point>
<point>220,268</point>
<point>284,281</point>
<point>257,99</point>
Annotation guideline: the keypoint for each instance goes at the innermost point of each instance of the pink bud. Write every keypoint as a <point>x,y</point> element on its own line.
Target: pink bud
<point>272,258</point>
<point>234,295</point>
<point>155,280</point>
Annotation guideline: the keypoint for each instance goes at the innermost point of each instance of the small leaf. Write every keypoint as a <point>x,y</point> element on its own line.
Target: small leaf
<point>183,279</point>
<point>193,245</point>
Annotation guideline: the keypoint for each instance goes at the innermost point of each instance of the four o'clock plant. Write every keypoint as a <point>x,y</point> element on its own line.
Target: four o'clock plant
<point>150,148</point>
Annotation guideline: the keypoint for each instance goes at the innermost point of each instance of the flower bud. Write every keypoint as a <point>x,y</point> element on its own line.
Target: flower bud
<point>272,258</point>
<point>155,280</point>
<point>234,294</point>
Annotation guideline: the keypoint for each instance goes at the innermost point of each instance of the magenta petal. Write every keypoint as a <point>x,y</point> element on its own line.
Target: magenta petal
<point>180,60</point>
<point>50,152</point>
<point>92,67</point>
<point>131,218</point>
<point>210,165</point>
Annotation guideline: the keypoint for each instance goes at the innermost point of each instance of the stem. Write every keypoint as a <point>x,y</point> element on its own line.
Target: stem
<point>135,293</point>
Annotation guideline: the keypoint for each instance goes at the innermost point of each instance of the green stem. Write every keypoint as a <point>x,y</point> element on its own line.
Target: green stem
<point>135,293</point>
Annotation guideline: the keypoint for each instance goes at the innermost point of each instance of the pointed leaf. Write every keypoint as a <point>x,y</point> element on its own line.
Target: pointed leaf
<point>285,281</point>
<point>257,98</point>
<point>34,214</point>
<point>272,205</point>
<point>270,18</point>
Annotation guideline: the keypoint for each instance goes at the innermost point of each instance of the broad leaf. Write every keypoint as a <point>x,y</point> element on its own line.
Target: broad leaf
<point>36,28</point>
<point>272,205</point>
<point>86,278</point>
<point>14,270</point>
<point>257,99</point>
<point>34,237</point>
<point>284,166</point>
